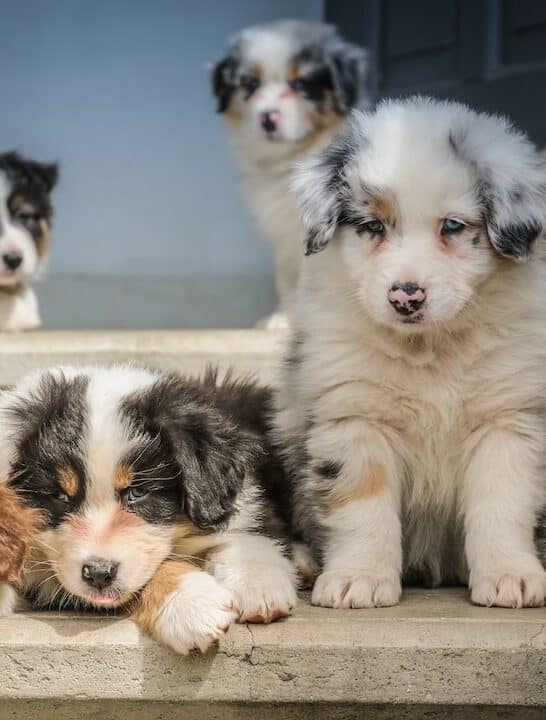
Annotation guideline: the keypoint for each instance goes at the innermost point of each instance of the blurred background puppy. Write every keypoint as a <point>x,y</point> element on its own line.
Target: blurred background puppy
<point>25,219</point>
<point>284,89</point>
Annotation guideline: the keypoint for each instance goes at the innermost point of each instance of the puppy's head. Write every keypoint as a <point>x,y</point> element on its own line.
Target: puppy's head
<point>121,462</point>
<point>284,81</point>
<point>25,216</point>
<point>423,201</point>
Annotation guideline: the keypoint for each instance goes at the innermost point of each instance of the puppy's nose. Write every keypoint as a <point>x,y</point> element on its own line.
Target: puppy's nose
<point>12,259</point>
<point>99,574</point>
<point>269,120</point>
<point>407,298</point>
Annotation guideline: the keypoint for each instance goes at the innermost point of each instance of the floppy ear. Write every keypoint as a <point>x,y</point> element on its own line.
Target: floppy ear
<point>223,79</point>
<point>320,184</point>
<point>48,173</point>
<point>18,524</point>
<point>348,67</point>
<point>44,174</point>
<point>511,176</point>
<point>213,453</point>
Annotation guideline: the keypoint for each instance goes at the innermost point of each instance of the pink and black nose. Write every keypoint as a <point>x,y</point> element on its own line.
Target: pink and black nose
<point>407,298</point>
<point>99,574</point>
<point>12,259</point>
<point>269,120</point>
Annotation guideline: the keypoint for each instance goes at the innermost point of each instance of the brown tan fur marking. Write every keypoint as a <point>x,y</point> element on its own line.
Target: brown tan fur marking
<point>124,477</point>
<point>167,579</point>
<point>68,480</point>
<point>18,526</point>
<point>371,485</point>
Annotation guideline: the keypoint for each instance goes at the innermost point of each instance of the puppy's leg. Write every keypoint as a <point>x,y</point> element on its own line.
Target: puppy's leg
<point>503,495</point>
<point>258,575</point>
<point>8,599</point>
<point>357,496</point>
<point>184,608</point>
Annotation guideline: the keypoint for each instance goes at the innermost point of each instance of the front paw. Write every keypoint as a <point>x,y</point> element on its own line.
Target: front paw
<point>508,589</point>
<point>261,595</point>
<point>8,599</point>
<point>196,615</point>
<point>339,589</point>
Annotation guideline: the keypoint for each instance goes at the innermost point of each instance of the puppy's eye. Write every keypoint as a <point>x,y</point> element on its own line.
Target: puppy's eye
<point>26,218</point>
<point>61,497</point>
<point>250,84</point>
<point>374,227</point>
<point>299,84</point>
<point>451,227</point>
<point>136,493</point>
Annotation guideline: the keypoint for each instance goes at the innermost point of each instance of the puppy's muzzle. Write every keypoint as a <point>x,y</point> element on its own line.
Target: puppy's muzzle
<point>12,259</point>
<point>99,574</point>
<point>407,298</point>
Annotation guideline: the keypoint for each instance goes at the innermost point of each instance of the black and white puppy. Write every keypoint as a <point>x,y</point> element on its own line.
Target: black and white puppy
<point>414,401</point>
<point>155,496</point>
<point>284,88</point>
<point>25,222</point>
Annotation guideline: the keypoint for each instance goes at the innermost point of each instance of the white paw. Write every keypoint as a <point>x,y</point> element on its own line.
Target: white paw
<point>8,599</point>
<point>338,589</point>
<point>196,615</point>
<point>260,595</point>
<point>509,590</point>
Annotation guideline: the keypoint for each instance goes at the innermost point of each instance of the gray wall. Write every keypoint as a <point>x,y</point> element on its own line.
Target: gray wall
<point>150,228</point>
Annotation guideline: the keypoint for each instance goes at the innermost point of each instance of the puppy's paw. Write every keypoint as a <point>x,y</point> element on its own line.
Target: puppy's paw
<point>338,589</point>
<point>8,599</point>
<point>196,615</point>
<point>262,595</point>
<point>509,590</point>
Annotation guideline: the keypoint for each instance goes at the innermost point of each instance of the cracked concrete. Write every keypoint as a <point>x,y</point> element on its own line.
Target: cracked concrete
<point>432,653</point>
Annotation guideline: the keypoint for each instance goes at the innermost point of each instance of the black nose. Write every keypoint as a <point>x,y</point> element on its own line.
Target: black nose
<point>99,573</point>
<point>407,298</point>
<point>12,259</point>
<point>268,120</point>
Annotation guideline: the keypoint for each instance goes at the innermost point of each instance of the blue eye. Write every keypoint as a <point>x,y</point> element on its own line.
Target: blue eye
<point>451,227</point>
<point>136,493</point>
<point>299,84</point>
<point>374,227</point>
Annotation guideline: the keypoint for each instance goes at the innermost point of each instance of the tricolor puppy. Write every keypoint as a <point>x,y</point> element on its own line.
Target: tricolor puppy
<point>284,88</point>
<point>413,406</point>
<point>153,492</point>
<point>25,220</point>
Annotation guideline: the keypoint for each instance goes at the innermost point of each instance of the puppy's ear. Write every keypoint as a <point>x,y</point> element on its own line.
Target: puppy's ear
<point>321,187</point>
<point>223,80</point>
<point>18,525</point>
<point>511,183</point>
<point>213,453</point>
<point>348,68</point>
<point>30,171</point>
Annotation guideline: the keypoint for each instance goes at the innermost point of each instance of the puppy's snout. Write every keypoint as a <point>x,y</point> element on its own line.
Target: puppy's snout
<point>98,573</point>
<point>407,298</point>
<point>12,259</point>
<point>269,120</point>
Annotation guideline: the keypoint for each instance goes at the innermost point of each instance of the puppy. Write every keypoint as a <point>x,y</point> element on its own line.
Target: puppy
<point>153,490</point>
<point>413,403</point>
<point>284,88</point>
<point>25,220</point>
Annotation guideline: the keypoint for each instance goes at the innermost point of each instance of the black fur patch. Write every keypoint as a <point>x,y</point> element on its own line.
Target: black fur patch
<point>51,426</point>
<point>515,240</point>
<point>224,81</point>
<point>203,426</point>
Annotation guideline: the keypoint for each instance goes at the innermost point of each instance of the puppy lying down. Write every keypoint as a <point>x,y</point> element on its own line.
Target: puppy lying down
<point>153,492</point>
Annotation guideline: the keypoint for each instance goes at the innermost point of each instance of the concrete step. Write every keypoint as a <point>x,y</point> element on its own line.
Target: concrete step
<point>434,656</point>
<point>249,351</point>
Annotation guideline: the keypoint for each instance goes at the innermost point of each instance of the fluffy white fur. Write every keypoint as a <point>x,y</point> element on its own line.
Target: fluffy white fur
<point>425,435</point>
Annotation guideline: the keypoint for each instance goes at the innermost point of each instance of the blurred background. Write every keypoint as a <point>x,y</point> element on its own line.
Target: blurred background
<point>151,230</point>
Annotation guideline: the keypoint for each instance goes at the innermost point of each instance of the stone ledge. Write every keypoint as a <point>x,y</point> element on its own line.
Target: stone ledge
<point>249,351</point>
<point>434,650</point>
